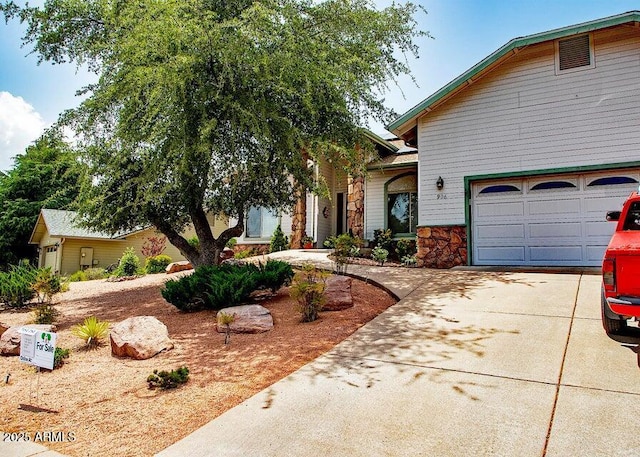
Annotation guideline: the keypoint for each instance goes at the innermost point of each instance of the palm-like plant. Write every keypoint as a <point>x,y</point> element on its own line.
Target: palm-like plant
<point>92,331</point>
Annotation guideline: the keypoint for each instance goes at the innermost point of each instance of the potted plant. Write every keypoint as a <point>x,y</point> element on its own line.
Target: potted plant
<point>307,242</point>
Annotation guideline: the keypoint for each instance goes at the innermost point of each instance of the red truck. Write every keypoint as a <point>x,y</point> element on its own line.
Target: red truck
<point>621,269</point>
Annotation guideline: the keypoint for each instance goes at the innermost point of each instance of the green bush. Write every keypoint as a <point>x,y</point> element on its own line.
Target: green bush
<point>45,314</point>
<point>92,331</point>
<point>379,255</point>
<point>157,264</point>
<point>46,284</point>
<point>405,247</point>
<point>216,287</point>
<point>194,242</point>
<point>129,264</point>
<point>279,242</point>
<point>95,273</point>
<point>308,289</point>
<point>78,276</point>
<point>243,254</point>
<point>231,243</point>
<point>383,238</point>
<point>168,379</point>
<point>16,285</point>
<point>59,357</point>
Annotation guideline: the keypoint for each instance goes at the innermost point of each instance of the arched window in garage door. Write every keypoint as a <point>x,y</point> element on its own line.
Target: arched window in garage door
<point>499,189</point>
<point>548,185</point>
<point>612,181</point>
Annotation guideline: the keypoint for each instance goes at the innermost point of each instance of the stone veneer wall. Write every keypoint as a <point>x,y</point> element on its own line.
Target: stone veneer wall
<point>355,206</point>
<point>442,247</point>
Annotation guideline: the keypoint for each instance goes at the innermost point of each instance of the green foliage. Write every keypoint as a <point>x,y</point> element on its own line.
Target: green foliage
<point>217,287</point>
<point>410,261</point>
<point>45,314</point>
<point>344,246</point>
<point>46,285</point>
<point>244,254</point>
<point>383,238</point>
<point>129,264</point>
<point>330,242</point>
<point>168,379</point>
<point>198,104</point>
<point>92,274</point>
<point>279,241</point>
<point>78,276</point>
<point>47,175</point>
<point>231,243</point>
<point>405,248</point>
<point>92,331</point>
<point>379,255</point>
<point>308,289</point>
<point>157,264</point>
<point>226,320</point>
<point>16,285</point>
<point>194,242</point>
<point>59,356</point>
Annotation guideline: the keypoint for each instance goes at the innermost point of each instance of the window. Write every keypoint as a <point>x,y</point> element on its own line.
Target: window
<point>612,181</point>
<point>554,185</point>
<point>261,223</point>
<point>402,204</point>
<point>574,53</point>
<point>499,189</point>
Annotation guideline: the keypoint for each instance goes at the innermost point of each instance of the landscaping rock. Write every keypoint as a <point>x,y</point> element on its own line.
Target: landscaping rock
<point>226,254</point>
<point>139,337</point>
<point>338,293</point>
<point>179,266</point>
<point>10,339</point>
<point>248,319</point>
<point>3,328</point>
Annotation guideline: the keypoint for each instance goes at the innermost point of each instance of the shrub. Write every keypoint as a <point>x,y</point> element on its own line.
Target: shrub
<point>226,320</point>
<point>78,276</point>
<point>45,314</point>
<point>410,261</point>
<point>379,255</point>
<point>343,247</point>
<point>46,285</point>
<point>95,273</point>
<point>405,247</point>
<point>16,285</point>
<point>59,357</point>
<point>157,264</point>
<point>129,264</point>
<point>279,242</point>
<point>168,379</point>
<point>216,287</point>
<point>231,243</point>
<point>308,290</point>
<point>383,238</point>
<point>153,246</point>
<point>243,254</point>
<point>194,242</point>
<point>92,331</point>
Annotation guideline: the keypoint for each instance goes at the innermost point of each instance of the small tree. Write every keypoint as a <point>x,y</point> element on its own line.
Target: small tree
<point>154,245</point>
<point>307,289</point>
<point>279,241</point>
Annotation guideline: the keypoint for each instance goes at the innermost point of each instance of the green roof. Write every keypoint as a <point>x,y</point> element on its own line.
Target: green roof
<point>515,44</point>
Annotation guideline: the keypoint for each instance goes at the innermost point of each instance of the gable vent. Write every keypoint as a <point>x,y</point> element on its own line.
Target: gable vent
<point>574,52</point>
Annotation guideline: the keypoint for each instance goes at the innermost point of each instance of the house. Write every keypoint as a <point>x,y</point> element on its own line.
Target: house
<point>67,248</point>
<point>521,156</point>
<point>385,198</point>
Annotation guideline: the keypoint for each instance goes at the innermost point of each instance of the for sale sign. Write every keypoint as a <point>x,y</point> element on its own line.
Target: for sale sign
<point>37,347</point>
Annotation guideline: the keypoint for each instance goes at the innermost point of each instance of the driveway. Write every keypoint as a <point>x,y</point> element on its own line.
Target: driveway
<point>467,363</point>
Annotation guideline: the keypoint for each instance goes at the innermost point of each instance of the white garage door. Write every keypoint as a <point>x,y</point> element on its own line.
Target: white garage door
<point>554,220</point>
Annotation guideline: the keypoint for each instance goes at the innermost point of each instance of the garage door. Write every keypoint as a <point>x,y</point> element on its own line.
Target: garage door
<point>547,220</point>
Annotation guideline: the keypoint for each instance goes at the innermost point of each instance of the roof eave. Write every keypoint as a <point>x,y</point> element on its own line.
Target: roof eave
<point>409,119</point>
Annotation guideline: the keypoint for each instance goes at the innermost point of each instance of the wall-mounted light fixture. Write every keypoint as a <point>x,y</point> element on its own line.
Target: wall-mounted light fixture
<point>440,183</point>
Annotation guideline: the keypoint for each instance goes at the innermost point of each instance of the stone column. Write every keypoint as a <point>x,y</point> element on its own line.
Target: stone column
<point>355,206</point>
<point>442,247</point>
<point>298,222</point>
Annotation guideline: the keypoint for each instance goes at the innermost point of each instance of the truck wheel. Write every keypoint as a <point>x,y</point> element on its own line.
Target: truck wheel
<point>611,322</point>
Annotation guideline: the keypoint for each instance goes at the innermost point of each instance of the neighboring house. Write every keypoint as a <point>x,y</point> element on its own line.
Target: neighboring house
<point>385,198</point>
<point>521,156</point>
<point>67,248</point>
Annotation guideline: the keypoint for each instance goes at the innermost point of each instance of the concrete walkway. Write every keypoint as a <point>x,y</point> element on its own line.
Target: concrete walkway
<point>467,363</point>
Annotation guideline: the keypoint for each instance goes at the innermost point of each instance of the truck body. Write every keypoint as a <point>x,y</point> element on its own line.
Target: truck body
<point>621,269</point>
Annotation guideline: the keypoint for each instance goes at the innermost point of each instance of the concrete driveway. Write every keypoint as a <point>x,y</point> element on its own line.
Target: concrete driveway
<point>467,363</point>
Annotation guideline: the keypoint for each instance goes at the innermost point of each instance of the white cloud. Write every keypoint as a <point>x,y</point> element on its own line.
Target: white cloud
<point>20,125</point>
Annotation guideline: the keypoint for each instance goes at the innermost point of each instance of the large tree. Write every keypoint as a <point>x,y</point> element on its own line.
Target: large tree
<point>207,105</point>
<point>46,176</point>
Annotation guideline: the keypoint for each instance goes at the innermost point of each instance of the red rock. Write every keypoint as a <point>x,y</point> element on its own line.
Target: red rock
<point>179,266</point>
<point>338,293</point>
<point>248,319</point>
<point>139,337</point>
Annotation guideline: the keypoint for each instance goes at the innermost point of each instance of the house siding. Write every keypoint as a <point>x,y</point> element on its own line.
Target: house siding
<point>523,117</point>
<point>375,199</point>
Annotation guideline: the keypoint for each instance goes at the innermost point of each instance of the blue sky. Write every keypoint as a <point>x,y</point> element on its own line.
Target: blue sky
<point>464,32</point>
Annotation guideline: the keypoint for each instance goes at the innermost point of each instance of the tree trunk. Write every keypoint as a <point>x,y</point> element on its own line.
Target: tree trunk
<point>299,219</point>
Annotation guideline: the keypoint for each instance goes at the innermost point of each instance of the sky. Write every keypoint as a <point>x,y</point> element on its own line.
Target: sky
<point>463,33</point>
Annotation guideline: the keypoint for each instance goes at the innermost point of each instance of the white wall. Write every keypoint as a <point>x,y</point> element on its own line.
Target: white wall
<point>522,116</point>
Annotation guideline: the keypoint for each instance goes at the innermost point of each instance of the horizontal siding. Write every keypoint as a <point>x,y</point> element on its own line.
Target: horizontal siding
<point>374,198</point>
<point>325,225</point>
<point>522,116</point>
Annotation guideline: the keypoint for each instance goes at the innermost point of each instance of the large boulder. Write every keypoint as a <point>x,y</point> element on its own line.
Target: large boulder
<point>338,293</point>
<point>247,319</point>
<point>10,339</point>
<point>179,266</point>
<point>139,337</point>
